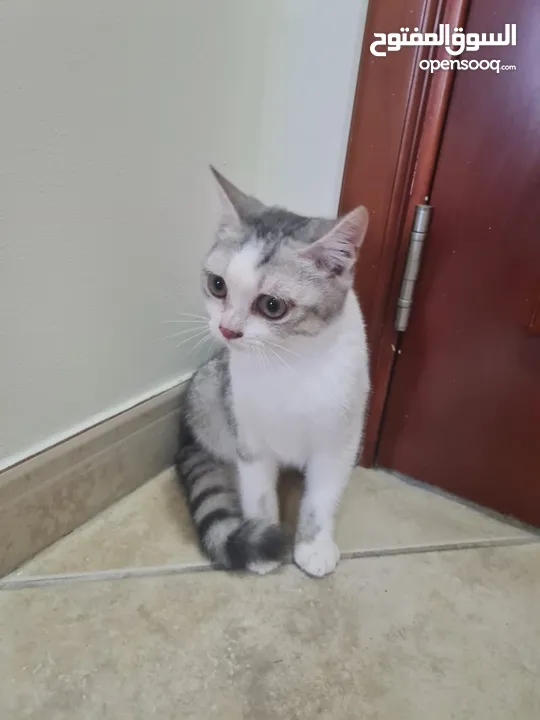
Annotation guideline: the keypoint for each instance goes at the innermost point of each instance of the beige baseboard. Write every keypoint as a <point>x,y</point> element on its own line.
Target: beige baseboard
<point>49,495</point>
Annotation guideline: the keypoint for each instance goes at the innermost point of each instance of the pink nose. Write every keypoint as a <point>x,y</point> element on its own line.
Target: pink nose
<point>230,334</point>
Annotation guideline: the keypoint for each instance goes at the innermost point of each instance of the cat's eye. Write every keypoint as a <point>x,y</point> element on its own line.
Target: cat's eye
<point>271,307</point>
<point>216,285</point>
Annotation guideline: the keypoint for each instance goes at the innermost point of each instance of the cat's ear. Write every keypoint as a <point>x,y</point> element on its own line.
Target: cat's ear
<point>336,251</point>
<point>235,205</point>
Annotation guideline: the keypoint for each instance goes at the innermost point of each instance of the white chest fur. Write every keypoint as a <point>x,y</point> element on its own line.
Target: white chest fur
<point>314,393</point>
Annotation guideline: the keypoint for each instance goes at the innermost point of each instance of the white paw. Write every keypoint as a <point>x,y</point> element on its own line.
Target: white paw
<point>263,568</point>
<point>318,557</point>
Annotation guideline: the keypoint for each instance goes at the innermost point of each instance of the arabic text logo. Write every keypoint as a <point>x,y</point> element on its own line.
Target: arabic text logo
<point>454,43</point>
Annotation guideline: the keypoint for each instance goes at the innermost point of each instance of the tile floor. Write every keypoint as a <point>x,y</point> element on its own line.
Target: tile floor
<point>433,613</point>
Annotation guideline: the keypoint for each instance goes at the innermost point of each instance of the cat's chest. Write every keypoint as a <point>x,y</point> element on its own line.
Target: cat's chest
<point>270,419</point>
<point>283,410</point>
<point>283,390</point>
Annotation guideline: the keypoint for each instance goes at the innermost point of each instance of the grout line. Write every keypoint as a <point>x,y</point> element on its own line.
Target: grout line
<point>101,575</point>
<point>442,547</point>
<point>36,581</point>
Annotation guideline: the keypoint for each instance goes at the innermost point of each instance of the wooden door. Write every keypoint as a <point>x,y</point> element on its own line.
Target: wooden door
<point>463,411</point>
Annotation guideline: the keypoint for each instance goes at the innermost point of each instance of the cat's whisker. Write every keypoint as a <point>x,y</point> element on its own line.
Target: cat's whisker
<point>258,351</point>
<point>201,342</point>
<point>193,315</point>
<point>256,345</point>
<point>269,347</point>
<point>174,322</point>
<point>282,347</point>
<point>262,356</point>
<point>192,337</point>
<point>187,331</point>
<point>270,365</point>
<point>185,318</point>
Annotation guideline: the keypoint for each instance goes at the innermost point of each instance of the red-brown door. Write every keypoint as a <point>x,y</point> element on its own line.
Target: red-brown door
<point>463,411</point>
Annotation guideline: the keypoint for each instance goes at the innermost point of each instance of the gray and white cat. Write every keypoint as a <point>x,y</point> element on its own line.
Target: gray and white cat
<point>289,387</point>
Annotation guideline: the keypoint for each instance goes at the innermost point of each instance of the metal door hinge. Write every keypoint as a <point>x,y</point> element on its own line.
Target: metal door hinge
<point>420,228</point>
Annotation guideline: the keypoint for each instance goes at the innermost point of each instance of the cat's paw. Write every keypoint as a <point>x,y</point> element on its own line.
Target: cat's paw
<point>263,567</point>
<point>318,557</point>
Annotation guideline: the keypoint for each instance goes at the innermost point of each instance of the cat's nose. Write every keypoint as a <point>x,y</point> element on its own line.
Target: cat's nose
<point>230,334</point>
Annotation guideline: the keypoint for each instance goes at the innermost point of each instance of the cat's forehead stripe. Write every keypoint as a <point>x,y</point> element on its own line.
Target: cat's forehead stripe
<point>277,223</point>
<point>269,250</point>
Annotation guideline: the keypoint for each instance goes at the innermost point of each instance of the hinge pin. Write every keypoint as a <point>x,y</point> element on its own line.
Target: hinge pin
<point>420,228</point>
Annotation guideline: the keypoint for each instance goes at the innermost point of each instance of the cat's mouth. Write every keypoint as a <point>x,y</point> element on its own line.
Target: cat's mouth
<point>233,341</point>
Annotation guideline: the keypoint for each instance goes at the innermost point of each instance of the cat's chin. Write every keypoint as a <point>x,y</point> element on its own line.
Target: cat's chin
<point>238,347</point>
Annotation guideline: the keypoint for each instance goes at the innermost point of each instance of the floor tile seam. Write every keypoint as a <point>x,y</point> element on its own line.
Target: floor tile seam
<point>54,579</point>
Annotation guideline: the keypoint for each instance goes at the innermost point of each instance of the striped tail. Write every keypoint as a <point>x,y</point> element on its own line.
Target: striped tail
<point>226,537</point>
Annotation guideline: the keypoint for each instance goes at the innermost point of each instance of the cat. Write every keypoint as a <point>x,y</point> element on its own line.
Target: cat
<point>288,388</point>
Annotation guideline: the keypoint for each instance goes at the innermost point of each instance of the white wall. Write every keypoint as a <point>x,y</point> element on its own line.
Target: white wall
<point>314,51</point>
<point>110,112</point>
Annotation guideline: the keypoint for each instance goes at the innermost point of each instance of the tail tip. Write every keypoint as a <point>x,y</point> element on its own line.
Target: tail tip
<point>253,543</point>
<point>272,543</point>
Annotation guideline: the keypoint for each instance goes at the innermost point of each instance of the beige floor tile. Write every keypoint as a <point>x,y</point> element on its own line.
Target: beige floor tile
<point>381,511</point>
<point>448,635</point>
<point>151,526</point>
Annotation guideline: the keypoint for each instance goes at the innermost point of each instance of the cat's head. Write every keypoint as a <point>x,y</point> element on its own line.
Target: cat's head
<point>272,275</point>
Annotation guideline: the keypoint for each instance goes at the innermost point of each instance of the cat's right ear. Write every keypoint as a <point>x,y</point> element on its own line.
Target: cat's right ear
<point>235,205</point>
<point>230,218</point>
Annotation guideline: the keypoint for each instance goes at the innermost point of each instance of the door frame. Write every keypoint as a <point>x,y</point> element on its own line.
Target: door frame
<point>397,124</point>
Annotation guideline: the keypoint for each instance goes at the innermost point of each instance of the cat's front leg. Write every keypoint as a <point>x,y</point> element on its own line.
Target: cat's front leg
<point>327,474</point>
<point>257,481</point>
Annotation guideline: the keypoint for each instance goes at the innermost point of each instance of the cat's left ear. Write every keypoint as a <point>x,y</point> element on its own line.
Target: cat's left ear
<point>336,251</point>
